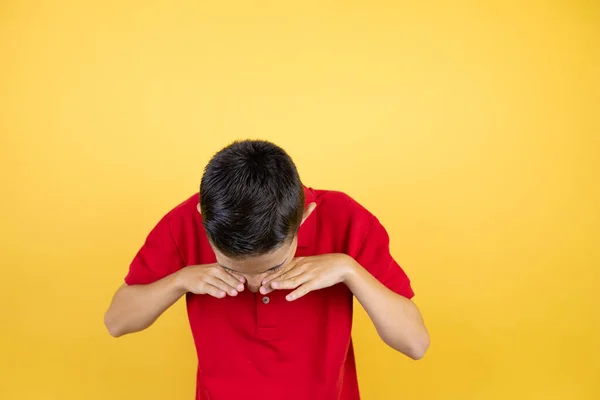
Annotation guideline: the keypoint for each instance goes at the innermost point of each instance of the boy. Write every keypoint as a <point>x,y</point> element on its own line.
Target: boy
<point>269,268</point>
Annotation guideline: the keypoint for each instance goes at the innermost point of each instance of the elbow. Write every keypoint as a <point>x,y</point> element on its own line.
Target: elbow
<point>112,327</point>
<point>115,333</point>
<point>419,347</point>
<point>415,349</point>
<point>416,353</point>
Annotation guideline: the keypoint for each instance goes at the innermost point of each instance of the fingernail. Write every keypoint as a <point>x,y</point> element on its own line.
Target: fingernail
<point>240,287</point>
<point>222,294</point>
<point>233,292</point>
<point>289,297</point>
<point>275,284</point>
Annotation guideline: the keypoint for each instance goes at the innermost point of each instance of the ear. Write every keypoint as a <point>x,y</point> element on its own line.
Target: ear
<point>198,208</point>
<point>307,211</point>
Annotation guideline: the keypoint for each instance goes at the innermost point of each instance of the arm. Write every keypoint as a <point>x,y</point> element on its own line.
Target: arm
<point>396,318</point>
<point>151,285</point>
<point>157,278</point>
<point>372,275</point>
<point>136,307</point>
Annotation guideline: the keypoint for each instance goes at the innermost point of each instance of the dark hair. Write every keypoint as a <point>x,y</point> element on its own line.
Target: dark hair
<point>251,198</point>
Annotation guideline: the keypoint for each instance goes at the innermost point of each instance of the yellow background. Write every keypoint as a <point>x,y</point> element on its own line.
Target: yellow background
<point>467,127</point>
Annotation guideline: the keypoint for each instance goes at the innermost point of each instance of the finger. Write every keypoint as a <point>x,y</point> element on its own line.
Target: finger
<point>268,287</point>
<point>229,279</point>
<point>276,275</point>
<point>291,282</point>
<point>267,282</point>
<point>221,285</point>
<point>237,277</point>
<point>215,291</point>
<point>207,288</point>
<point>294,267</point>
<point>303,290</point>
<point>265,286</point>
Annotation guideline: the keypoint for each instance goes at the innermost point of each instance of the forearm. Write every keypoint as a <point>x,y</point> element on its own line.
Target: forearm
<point>135,308</point>
<point>396,318</point>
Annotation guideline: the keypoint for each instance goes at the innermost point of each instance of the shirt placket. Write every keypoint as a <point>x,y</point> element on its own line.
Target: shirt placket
<point>266,314</point>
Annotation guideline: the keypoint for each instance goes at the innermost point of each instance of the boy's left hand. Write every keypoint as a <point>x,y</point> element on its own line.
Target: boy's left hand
<point>306,274</point>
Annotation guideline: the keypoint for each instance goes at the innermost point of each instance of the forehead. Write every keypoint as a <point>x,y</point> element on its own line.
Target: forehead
<point>260,263</point>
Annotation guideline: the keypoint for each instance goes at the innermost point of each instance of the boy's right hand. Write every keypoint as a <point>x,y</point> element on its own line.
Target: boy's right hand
<point>209,279</point>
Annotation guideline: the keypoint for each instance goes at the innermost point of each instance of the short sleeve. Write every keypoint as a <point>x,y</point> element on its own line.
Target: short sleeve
<point>157,258</point>
<point>374,255</point>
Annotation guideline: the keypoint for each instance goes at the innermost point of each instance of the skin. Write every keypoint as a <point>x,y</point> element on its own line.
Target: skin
<point>396,318</point>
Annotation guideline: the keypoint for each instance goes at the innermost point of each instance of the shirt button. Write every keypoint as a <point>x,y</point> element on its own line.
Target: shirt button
<point>266,300</point>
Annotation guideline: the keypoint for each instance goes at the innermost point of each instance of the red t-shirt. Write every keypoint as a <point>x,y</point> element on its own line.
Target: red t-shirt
<point>263,347</point>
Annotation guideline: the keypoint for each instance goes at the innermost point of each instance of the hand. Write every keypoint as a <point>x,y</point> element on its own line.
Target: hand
<point>210,279</point>
<point>309,273</point>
